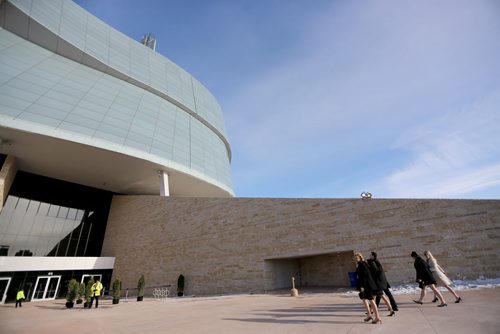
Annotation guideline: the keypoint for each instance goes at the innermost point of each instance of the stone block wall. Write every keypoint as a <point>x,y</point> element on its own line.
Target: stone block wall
<point>241,245</point>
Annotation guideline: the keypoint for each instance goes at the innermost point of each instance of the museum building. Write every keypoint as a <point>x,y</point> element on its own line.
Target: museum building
<point>85,113</point>
<point>115,162</point>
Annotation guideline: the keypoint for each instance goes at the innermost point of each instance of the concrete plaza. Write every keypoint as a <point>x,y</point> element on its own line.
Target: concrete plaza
<point>311,312</point>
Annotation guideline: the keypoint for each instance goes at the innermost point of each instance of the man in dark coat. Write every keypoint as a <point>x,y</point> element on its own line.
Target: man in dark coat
<point>425,279</point>
<point>378,274</point>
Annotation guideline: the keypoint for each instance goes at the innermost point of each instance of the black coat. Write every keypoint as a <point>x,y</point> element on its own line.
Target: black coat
<point>365,279</point>
<point>423,272</point>
<point>378,274</point>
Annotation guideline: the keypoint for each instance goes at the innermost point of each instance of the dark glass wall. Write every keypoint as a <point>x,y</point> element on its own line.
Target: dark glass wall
<point>48,217</point>
<point>27,281</point>
<point>2,159</point>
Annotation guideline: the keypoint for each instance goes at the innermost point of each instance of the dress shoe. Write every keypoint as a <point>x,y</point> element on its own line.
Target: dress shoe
<point>458,300</point>
<point>392,314</point>
<point>377,321</point>
<point>368,318</point>
<point>417,301</point>
<point>435,299</point>
<point>442,305</point>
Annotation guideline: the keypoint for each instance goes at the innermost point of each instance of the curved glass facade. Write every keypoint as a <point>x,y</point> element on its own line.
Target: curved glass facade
<point>68,221</point>
<point>34,228</point>
<point>66,74</point>
<point>87,112</point>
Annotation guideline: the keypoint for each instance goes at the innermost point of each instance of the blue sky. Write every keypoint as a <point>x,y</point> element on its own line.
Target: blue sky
<point>330,98</point>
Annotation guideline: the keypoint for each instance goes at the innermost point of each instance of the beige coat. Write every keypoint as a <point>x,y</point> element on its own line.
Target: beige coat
<point>438,273</point>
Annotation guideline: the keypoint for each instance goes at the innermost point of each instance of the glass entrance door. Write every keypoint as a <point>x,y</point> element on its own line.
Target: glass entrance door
<point>4,287</point>
<point>52,287</point>
<point>46,288</point>
<point>86,278</point>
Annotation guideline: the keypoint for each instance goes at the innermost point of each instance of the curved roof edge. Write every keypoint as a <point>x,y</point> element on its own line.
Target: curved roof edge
<point>76,54</point>
<point>29,127</point>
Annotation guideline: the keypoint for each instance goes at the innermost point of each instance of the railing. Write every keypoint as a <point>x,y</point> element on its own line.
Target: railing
<point>161,292</point>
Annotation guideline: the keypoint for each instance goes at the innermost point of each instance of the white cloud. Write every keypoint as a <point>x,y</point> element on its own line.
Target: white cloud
<point>454,156</point>
<point>367,74</point>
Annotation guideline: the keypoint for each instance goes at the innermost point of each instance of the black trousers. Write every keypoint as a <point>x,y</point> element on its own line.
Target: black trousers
<point>19,301</point>
<point>391,299</point>
<point>96,301</point>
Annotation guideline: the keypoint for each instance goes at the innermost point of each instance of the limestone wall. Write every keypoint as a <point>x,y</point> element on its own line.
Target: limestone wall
<point>234,245</point>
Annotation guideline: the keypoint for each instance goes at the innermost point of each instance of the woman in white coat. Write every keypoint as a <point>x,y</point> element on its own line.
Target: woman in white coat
<point>440,276</point>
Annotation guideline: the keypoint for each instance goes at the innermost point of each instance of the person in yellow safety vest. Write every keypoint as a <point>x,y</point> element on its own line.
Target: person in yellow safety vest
<point>20,297</point>
<point>96,293</point>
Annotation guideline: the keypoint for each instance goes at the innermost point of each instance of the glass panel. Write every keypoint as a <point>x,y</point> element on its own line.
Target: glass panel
<point>72,213</point>
<point>63,245</point>
<point>22,204</point>
<point>3,287</point>
<point>79,215</point>
<point>40,288</point>
<point>32,228</point>
<point>86,277</point>
<point>42,247</point>
<point>53,210</point>
<point>52,288</point>
<point>41,228</point>
<point>85,230</point>
<point>11,203</point>
<point>31,245</point>
<point>43,210</point>
<point>63,212</point>
<point>73,243</point>
<point>76,128</point>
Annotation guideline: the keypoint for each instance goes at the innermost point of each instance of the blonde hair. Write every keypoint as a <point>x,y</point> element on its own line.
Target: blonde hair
<point>428,254</point>
<point>359,255</point>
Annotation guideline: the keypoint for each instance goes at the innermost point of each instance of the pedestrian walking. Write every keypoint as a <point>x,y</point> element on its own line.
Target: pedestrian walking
<point>378,274</point>
<point>367,289</point>
<point>425,279</point>
<point>440,276</point>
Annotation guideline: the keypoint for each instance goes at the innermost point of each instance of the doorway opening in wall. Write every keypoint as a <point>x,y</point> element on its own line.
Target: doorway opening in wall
<point>320,271</point>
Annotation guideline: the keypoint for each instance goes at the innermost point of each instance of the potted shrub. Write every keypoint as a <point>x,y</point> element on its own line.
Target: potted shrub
<point>81,293</point>
<point>141,285</point>
<point>88,292</point>
<point>72,293</point>
<point>180,285</point>
<point>117,287</point>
